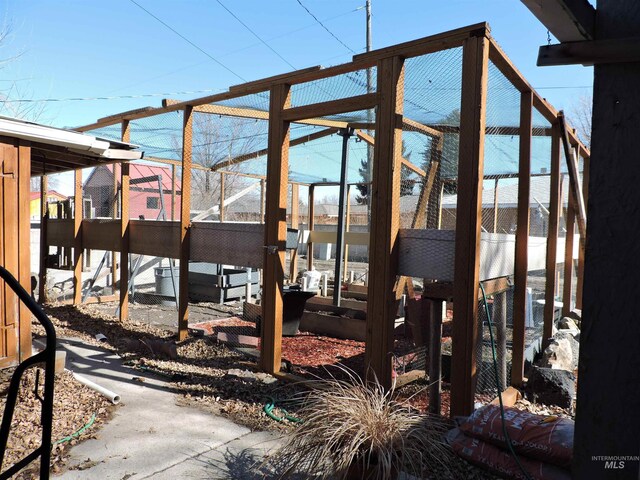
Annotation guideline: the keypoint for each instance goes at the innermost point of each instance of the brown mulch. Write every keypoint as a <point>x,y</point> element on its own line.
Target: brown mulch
<point>74,405</point>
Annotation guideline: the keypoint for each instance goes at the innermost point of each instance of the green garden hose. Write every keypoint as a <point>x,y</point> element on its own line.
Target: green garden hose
<point>79,432</point>
<point>268,409</point>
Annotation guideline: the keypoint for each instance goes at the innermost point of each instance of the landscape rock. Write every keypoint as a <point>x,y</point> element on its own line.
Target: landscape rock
<point>551,387</point>
<point>558,355</point>
<point>573,341</point>
<point>567,323</point>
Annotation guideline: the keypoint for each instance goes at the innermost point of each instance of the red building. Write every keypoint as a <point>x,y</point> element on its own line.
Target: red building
<point>150,189</point>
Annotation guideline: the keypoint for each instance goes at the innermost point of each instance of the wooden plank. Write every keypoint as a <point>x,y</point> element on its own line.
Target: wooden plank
<point>185,221</point>
<point>276,229</point>
<point>435,355</point>
<point>24,242</point>
<point>77,238</point>
<point>264,115</point>
<point>352,238</point>
<point>310,226</point>
<point>385,218</point>
<point>522,240</point>
<point>552,238</point>
<point>116,201</point>
<point>413,126</point>
<point>44,248</point>
<point>468,223</point>
<point>101,234</point>
<point>371,141</point>
<point>265,83</point>
<point>420,215</point>
<point>3,234</point>
<point>331,107</point>
<point>430,44</point>
<point>295,222</point>
<point>154,238</point>
<point>575,187</point>
<point>587,53</point>
<point>568,20</point>
<point>124,230</point>
<point>250,156</point>
<point>568,258</point>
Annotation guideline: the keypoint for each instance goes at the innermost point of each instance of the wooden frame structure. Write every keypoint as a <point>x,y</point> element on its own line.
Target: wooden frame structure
<point>479,49</point>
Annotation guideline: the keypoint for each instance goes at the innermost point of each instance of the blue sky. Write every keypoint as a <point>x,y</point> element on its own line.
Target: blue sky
<point>85,48</point>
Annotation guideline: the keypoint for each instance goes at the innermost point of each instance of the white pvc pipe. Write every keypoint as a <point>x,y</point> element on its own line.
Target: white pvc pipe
<point>113,397</point>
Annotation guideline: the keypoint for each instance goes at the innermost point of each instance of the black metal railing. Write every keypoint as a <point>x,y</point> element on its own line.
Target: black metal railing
<point>46,356</point>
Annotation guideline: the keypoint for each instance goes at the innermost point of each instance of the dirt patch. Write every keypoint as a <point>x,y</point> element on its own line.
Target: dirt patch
<point>75,406</point>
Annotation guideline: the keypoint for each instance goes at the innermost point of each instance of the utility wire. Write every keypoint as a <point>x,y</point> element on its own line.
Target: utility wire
<point>325,27</point>
<point>255,34</point>
<point>189,41</point>
<point>115,97</point>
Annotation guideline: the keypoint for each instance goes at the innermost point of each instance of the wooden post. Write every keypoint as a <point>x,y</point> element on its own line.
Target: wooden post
<point>500,321</point>
<point>435,311</point>
<point>552,238</point>
<point>124,230</point>
<point>347,224</point>
<point>522,240</point>
<point>44,246</point>
<point>24,249</point>
<point>582,242</point>
<point>607,420</point>
<point>114,215</point>
<point>262,199</point>
<point>310,226</point>
<point>382,299</point>
<point>468,223</point>
<point>275,229</point>
<point>568,258</point>
<point>185,224</point>
<point>221,197</point>
<point>77,242</point>
<point>295,223</point>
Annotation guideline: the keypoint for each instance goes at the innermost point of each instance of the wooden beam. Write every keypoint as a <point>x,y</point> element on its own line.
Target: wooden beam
<point>295,222</point>
<point>583,240</point>
<point>266,83</point>
<point>275,229</point>
<point>430,44</point>
<point>77,238</point>
<point>347,224</point>
<point>413,126</point>
<point>575,187</point>
<point>44,249</point>
<point>331,107</point>
<point>382,303</point>
<point>468,223</point>
<point>587,53</point>
<point>567,20</point>
<point>552,238</point>
<point>568,258</point>
<point>124,230</point>
<point>310,226</point>
<point>114,214</point>
<point>250,156</point>
<point>185,223</point>
<point>371,141</point>
<point>420,215</point>
<point>522,240</point>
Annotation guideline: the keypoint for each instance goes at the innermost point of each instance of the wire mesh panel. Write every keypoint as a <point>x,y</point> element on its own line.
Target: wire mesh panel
<point>498,228</point>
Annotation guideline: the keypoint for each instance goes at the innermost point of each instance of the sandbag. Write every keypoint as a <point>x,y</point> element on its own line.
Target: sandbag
<point>549,439</point>
<point>500,462</point>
